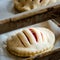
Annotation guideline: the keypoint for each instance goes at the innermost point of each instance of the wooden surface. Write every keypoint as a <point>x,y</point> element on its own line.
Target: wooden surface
<point>51,13</point>
<point>55,55</point>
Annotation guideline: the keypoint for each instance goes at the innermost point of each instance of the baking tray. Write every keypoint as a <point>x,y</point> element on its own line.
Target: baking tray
<point>7,12</point>
<point>12,25</point>
<point>4,55</point>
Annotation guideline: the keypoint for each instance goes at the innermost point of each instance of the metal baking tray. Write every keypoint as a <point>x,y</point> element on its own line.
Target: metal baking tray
<point>7,12</point>
<point>4,55</point>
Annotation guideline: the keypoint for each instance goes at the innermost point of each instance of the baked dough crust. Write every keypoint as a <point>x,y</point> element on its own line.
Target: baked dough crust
<point>31,42</point>
<point>25,5</point>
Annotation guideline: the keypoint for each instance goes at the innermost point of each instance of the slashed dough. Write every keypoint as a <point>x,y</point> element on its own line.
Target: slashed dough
<point>31,41</point>
<point>25,5</point>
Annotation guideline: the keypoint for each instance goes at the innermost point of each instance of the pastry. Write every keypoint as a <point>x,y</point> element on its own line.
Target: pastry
<point>30,42</point>
<point>25,5</point>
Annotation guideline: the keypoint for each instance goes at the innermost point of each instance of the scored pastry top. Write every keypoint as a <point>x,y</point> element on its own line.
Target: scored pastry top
<point>31,40</point>
<point>25,5</point>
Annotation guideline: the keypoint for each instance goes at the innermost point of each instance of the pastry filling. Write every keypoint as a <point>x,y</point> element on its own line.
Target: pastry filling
<point>41,0</point>
<point>34,34</point>
<point>41,35</point>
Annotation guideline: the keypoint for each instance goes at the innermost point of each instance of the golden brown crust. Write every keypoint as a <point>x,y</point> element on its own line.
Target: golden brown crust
<point>29,54</point>
<point>29,4</point>
<point>31,42</point>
